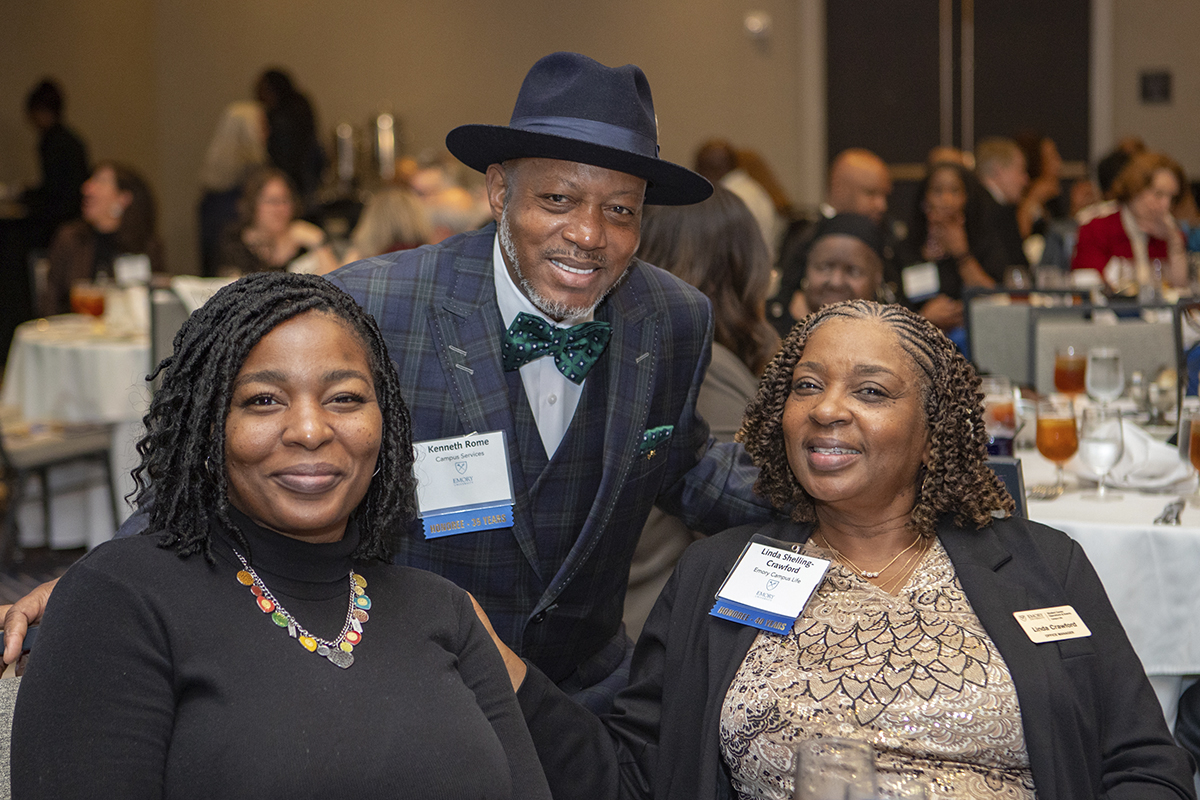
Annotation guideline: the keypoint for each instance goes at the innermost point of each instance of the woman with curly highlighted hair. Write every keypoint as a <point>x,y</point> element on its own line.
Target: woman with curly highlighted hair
<point>255,641</point>
<point>868,432</point>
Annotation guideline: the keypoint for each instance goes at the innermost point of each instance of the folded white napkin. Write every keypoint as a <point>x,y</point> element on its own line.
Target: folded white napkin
<point>1146,463</point>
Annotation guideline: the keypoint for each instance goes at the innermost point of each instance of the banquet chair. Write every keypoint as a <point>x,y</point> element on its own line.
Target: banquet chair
<point>27,453</point>
<point>1145,346</point>
<point>1000,326</point>
<point>167,315</point>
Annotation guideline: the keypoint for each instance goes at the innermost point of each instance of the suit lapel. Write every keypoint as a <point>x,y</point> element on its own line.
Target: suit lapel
<point>631,360</point>
<point>466,330</point>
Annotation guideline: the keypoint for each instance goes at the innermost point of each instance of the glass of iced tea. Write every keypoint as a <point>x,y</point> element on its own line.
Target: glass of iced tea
<point>1057,438</point>
<point>1070,370</point>
<point>87,298</point>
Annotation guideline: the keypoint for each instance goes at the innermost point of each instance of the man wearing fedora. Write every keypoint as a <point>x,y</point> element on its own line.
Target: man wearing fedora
<point>591,447</point>
<point>604,425</point>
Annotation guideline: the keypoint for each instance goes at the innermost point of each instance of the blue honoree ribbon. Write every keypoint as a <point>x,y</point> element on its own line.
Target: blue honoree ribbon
<point>754,617</point>
<point>466,521</point>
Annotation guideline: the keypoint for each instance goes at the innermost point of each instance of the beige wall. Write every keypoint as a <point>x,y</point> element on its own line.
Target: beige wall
<point>103,54</point>
<point>169,67</point>
<point>147,79</point>
<point>1153,35</point>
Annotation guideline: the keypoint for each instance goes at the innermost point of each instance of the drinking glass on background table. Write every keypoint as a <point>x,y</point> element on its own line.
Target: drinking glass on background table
<point>902,788</point>
<point>1057,439</point>
<point>1105,376</point>
<point>999,414</point>
<point>1189,445</point>
<point>1070,366</point>
<point>834,769</point>
<point>1100,445</point>
<point>87,298</point>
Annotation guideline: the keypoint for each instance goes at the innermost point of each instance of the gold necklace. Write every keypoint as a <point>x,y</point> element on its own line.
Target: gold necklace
<point>896,581</point>
<point>862,573</point>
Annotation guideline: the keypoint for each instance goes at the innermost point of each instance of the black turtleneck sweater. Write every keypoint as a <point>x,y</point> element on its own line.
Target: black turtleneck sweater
<point>156,676</point>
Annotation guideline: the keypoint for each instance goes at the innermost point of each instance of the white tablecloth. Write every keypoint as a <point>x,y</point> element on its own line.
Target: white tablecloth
<point>67,369</point>
<point>1149,571</point>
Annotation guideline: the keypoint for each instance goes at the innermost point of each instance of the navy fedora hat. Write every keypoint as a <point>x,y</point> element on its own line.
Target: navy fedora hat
<point>575,109</point>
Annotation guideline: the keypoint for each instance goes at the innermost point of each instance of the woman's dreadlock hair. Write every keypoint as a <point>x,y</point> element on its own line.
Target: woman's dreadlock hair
<point>181,480</point>
<point>956,477</point>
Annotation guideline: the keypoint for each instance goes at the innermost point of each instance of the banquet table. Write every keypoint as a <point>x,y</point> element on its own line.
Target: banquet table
<point>71,369</point>
<point>1148,570</point>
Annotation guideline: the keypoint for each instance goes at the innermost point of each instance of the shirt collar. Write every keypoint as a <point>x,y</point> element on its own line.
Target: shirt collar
<point>512,300</point>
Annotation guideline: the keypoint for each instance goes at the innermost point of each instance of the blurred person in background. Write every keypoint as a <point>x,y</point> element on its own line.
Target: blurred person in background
<point>1142,231</point>
<point>1001,168</point>
<point>948,249</point>
<point>1111,165</point>
<point>393,219</point>
<point>859,183</point>
<point>717,247</point>
<point>119,217</point>
<point>267,236</point>
<point>291,132</point>
<point>1043,201</point>
<point>844,262</point>
<point>717,161</point>
<point>444,188</point>
<point>238,148</point>
<point>63,160</point>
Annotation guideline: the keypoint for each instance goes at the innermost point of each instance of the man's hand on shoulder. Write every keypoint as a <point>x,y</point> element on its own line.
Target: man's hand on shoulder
<point>20,615</point>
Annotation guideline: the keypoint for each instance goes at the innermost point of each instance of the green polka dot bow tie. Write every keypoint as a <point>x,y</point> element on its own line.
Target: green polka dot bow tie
<point>575,349</point>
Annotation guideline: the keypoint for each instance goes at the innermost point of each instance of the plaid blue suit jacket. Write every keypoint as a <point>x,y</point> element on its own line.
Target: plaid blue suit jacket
<point>437,309</point>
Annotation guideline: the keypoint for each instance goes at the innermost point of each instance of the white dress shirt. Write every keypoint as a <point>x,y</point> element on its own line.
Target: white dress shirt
<point>552,396</point>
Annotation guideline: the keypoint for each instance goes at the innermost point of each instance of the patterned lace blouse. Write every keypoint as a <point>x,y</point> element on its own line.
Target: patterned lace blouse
<point>915,675</point>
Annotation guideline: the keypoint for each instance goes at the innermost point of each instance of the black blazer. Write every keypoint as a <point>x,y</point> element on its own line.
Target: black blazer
<point>1092,725</point>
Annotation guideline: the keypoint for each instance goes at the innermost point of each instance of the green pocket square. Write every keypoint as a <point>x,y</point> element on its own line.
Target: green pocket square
<point>655,438</point>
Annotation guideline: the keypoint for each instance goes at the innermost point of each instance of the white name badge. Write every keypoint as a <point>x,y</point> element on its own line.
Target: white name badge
<point>921,281</point>
<point>1051,624</point>
<point>463,484</point>
<point>769,585</point>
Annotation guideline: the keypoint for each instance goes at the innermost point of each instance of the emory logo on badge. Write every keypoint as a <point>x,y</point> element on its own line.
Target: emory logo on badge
<point>461,466</point>
<point>771,584</point>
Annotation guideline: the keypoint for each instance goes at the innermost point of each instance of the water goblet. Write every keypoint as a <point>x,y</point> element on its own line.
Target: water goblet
<point>1057,439</point>
<point>834,769</point>
<point>1070,366</point>
<point>1105,376</point>
<point>1101,446</point>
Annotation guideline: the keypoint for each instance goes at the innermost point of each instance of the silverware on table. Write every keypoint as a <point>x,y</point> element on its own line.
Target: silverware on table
<point>1043,491</point>
<point>1170,513</point>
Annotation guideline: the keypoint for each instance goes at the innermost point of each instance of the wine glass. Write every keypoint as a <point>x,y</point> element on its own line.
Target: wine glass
<point>1100,445</point>
<point>1105,376</point>
<point>1070,365</point>
<point>1056,436</point>
<point>834,769</point>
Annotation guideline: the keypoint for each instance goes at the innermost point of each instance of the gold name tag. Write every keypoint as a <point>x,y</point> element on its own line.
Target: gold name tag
<point>1051,624</point>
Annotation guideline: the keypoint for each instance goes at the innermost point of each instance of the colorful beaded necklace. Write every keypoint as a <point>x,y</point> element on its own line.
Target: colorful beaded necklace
<point>340,651</point>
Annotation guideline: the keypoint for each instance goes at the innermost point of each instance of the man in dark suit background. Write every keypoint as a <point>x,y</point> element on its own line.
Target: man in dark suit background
<point>1000,165</point>
<point>602,427</point>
